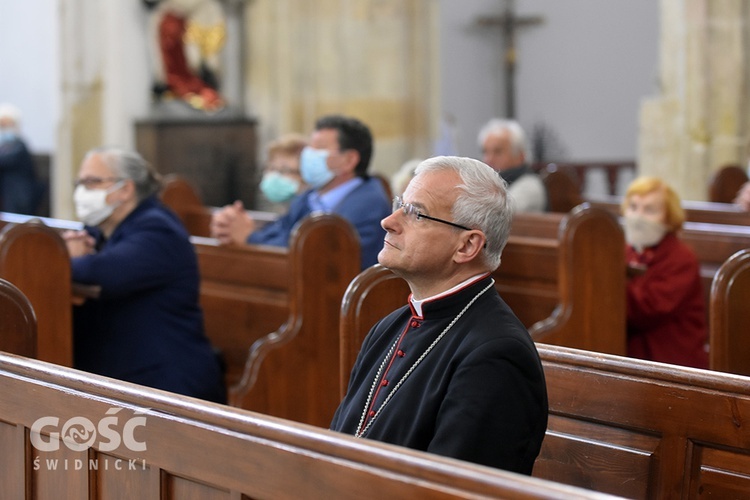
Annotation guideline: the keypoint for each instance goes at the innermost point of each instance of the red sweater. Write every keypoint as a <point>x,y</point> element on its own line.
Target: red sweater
<point>666,308</point>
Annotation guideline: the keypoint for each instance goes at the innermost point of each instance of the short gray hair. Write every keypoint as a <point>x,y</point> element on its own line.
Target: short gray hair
<point>483,203</point>
<point>516,134</point>
<point>130,165</point>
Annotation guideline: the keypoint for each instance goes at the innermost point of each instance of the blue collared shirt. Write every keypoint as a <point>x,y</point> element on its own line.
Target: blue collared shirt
<point>326,202</point>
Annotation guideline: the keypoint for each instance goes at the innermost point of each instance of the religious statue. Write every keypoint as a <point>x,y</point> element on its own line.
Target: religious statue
<point>187,38</point>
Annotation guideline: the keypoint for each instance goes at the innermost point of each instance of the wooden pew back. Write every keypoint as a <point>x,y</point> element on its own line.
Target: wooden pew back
<point>712,243</point>
<point>184,199</point>
<point>174,447</point>
<point>726,182</point>
<point>293,372</point>
<point>730,297</point>
<point>383,292</point>
<point>35,259</point>
<point>244,294</point>
<point>617,425</point>
<point>18,323</point>
<point>591,310</point>
<point>695,211</point>
<point>563,192</point>
<point>563,275</point>
<point>644,430</point>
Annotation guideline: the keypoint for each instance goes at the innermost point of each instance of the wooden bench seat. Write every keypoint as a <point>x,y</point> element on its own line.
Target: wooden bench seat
<point>617,425</point>
<point>244,295</point>
<point>292,372</point>
<point>34,258</point>
<point>182,197</point>
<point>183,448</point>
<point>266,308</point>
<point>18,323</point>
<point>644,430</point>
<point>730,297</point>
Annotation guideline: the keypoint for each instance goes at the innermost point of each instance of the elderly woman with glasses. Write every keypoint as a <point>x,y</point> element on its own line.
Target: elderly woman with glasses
<point>146,325</point>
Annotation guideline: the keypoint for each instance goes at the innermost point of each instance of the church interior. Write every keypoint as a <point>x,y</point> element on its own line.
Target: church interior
<point>606,92</point>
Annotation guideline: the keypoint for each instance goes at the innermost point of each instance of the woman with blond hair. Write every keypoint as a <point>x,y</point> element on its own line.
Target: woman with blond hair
<point>666,317</point>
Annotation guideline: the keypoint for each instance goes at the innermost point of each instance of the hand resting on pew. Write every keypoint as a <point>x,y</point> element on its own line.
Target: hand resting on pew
<point>79,243</point>
<point>81,292</point>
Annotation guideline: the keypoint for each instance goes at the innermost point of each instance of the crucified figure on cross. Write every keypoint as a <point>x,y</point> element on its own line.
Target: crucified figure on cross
<point>509,23</point>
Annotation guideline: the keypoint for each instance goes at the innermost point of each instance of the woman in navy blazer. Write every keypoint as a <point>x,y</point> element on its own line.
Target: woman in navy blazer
<point>146,325</point>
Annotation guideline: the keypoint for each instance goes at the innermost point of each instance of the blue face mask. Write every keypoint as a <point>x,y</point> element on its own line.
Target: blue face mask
<point>314,168</point>
<point>278,188</point>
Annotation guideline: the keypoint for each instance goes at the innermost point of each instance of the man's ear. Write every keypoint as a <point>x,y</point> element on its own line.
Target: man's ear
<point>352,159</point>
<point>473,243</point>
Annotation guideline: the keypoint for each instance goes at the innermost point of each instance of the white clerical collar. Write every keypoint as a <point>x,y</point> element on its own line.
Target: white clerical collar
<point>417,304</point>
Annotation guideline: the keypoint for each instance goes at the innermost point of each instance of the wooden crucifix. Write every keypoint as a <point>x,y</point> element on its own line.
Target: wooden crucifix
<point>509,23</point>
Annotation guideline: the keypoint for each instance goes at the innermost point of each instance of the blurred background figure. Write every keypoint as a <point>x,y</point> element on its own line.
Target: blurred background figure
<point>666,316</point>
<point>281,178</point>
<point>335,167</point>
<point>504,148</point>
<point>401,178</point>
<point>146,324</point>
<point>20,191</point>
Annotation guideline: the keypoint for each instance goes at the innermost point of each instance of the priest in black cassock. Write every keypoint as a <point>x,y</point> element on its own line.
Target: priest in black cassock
<point>453,372</point>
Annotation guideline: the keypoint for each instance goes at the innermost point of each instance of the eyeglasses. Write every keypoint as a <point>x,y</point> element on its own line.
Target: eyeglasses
<point>89,182</point>
<point>413,212</point>
<point>283,170</point>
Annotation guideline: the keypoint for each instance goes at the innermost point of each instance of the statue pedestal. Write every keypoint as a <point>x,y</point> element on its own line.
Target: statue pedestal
<point>218,155</point>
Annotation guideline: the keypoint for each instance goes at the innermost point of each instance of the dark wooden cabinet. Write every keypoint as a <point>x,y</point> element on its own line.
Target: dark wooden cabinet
<point>219,156</point>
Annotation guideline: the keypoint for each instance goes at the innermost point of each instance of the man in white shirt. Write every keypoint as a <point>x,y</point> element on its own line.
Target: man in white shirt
<point>503,146</point>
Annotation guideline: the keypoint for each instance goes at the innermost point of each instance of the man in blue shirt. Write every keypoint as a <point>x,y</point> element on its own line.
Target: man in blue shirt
<point>335,166</point>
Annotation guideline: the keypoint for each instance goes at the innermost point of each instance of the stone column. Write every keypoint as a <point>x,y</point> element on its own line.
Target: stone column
<point>701,120</point>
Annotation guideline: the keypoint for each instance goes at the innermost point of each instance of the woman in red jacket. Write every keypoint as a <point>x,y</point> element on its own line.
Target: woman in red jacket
<point>665,306</point>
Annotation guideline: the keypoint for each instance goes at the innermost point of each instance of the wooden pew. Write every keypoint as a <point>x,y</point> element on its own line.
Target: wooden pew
<point>244,294</point>
<point>184,199</point>
<point>617,425</point>
<point>579,171</point>
<point>591,284</point>
<point>265,308</point>
<point>35,259</point>
<point>726,182</point>
<point>730,298</point>
<point>695,211</point>
<point>644,430</point>
<point>182,448</point>
<point>712,243</point>
<point>563,191</point>
<point>293,372</point>
<point>17,321</point>
<point>570,288</point>
<point>273,314</point>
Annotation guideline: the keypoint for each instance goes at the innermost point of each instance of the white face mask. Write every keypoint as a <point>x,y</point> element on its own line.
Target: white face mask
<point>91,204</point>
<point>641,232</point>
